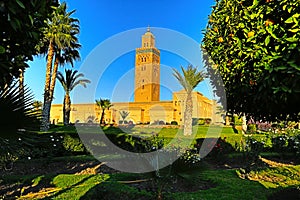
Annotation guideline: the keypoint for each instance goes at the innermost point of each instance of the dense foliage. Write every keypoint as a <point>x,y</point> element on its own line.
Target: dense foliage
<point>33,146</point>
<point>20,23</point>
<point>254,45</point>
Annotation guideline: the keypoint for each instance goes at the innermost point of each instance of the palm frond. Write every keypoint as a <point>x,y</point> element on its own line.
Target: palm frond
<point>71,79</point>
<point>16,106</point>
<point>190,77</point>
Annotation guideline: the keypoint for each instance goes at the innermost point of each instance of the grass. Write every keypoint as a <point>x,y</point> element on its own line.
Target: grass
<point>229,185</point>
<point>275,177</point>
<point>166,133</point>
<point>103,186</point>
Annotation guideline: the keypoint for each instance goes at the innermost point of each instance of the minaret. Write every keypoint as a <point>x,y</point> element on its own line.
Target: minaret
<point>147,70</point>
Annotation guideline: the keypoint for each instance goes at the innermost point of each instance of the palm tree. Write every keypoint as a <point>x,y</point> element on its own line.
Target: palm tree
<point>67,55</point>
<point>103,104</point>
<point>59,34</point>
<point>124,114</point>
<point>37,105</point>
<point>189,80</point>
<point>69,82</point>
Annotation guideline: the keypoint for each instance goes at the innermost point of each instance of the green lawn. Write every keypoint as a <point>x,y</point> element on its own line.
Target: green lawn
<point>228,184</point>
<point>166,133</point>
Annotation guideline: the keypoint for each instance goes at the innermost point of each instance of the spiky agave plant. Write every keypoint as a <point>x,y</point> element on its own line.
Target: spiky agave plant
<point>16,110</point>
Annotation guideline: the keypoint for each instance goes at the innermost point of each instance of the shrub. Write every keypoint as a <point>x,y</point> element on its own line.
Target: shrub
<point>161,122</point>
<point>294,144</point>
<point>174,123</point>
<point>252,128</point>
<point>73,144</point>
<point>201,121</point>
<point>188,160</point>
<point>219,148</point>
<point>207,121</point>
<point>237,120</point>
<point>280,143</point>
<point>252,150</point>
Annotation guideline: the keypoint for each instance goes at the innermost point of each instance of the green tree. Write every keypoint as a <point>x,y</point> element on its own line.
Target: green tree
<point>124,114</point>
<point>103,104</point>
<point>59,34</point>
<point>189,79</point>
<point>254,46</point>
<point>20,27</point>
<point>69,82</point>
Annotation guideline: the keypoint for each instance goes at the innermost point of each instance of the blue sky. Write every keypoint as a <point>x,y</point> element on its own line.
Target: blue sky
<point>101,20</point>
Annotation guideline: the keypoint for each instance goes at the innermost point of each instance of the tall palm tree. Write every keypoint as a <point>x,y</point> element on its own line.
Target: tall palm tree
<point>103,104</point>
<point>65,56</point>
<point>124,114</point>
<point>189,80</point>
<point>59,34</point>
<point>69,82</point>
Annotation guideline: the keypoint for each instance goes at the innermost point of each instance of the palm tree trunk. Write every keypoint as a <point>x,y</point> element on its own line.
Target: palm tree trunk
<point>21,86</point>
<point>102,117</point>
<point>51,87</point>
<point>53,79</point>
<point>47,99</point>
<point>21,83</point>
<point>67,109</point>
<point>188,128</point>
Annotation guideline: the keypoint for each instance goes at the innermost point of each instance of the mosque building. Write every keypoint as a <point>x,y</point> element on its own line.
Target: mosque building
<point>146,107</point>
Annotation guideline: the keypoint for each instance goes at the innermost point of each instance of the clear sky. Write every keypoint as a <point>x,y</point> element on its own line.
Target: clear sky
<point>101,20</point>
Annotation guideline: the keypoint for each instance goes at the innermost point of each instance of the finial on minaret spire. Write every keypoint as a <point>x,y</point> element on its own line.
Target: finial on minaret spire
<point>148,29</point>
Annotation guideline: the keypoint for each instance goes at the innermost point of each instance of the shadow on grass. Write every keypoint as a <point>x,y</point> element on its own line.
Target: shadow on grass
<point>68,188</point>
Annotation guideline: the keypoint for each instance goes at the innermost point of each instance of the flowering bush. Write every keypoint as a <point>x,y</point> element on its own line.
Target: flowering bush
<point>219,148</point>
<point>190,158</point>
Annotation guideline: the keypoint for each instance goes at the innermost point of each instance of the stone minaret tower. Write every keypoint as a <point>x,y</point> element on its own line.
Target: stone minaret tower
<point>147,70</point>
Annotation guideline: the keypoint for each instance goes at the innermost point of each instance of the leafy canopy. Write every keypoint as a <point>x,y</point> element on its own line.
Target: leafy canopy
<point>254,45</point>
<point>20,27</point>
